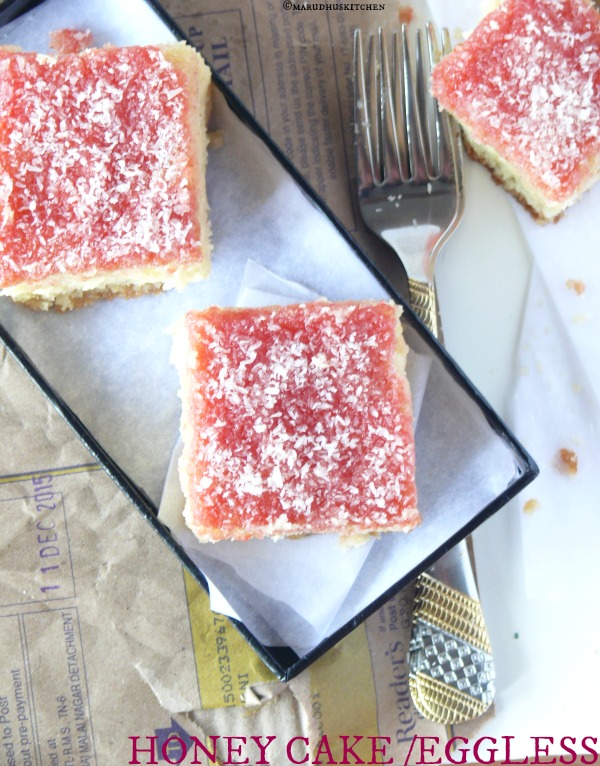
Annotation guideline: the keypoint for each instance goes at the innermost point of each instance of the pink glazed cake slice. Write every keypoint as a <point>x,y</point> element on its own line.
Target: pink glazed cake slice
<point>525,87</point>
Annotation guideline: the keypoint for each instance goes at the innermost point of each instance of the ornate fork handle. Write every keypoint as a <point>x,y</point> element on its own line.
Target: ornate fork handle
<point>452,677</point>
<point>423,302</point>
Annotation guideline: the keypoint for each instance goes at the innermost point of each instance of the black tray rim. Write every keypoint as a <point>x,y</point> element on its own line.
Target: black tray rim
<point>283,662</point>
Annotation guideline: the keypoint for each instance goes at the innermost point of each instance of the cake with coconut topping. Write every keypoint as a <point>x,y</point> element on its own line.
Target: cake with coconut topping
<point>295,420</point>
<point>525,87</point>
<point>102,173</point>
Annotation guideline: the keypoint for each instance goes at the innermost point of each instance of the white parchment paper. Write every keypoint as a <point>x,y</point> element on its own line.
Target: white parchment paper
<point>556,398</point>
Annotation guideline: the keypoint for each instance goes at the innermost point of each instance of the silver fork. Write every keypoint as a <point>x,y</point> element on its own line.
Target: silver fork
<point>409,167</point>
<point>410,193</point>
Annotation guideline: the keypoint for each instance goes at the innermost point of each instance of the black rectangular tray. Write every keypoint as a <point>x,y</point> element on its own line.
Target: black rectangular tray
<point>282,661</point>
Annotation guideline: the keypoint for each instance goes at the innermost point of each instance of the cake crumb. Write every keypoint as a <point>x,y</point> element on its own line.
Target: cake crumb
<point>531,506</point>
<point>406,14</point>
<point>577,285</point>
<point>565,462</point>
<point>216,139</point>
<point>71,40</point>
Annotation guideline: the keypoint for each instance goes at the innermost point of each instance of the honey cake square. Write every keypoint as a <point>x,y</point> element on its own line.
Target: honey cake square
<point>102,173</point>
<point>296,420</point>
<point>525,87</point>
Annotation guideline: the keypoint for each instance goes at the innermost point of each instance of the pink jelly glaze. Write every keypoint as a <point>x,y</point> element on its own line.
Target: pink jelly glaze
<point>527,83</point>
<point>299,411</point>
<point>96,166</point>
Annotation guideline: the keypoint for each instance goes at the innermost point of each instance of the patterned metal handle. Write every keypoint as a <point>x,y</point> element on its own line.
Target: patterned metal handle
<point>452,676</point>
<point>423,301</point>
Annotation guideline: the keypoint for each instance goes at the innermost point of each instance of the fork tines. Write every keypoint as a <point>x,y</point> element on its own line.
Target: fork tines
<point>404,136</point>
